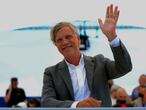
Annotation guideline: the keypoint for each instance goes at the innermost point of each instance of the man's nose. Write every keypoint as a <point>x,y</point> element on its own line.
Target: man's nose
<point>65,41</point>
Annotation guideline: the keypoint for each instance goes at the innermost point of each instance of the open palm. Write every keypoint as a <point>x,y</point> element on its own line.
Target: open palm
<point>108,27</point>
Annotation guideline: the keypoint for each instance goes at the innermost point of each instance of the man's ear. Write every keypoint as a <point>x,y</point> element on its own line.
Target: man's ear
<point>79,39</point>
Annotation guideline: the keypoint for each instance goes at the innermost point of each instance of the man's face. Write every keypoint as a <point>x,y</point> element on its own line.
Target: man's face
<point>67,42</point>
<point>14,84</point>
<point>122,96</point>
<point>142,80</point>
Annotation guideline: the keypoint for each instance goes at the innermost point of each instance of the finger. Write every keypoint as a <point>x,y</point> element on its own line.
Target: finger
<point>107,12</point>
<point>100,23</point>
<point>117,16</point>
<point>116,10</point>
<point>92,103</point>
<point>95,102</point>
<point>111,11</point>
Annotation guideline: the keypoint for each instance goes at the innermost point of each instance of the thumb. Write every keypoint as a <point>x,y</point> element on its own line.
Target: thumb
<point>99,101</point>
<point>100,22</point>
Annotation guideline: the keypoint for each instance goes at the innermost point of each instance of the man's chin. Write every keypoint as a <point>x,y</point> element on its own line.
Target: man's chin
<point>68,54</point>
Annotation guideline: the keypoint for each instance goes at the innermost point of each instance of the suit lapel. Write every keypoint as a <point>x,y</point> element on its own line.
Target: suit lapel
<point>63,69</point>
<point>89,67</point>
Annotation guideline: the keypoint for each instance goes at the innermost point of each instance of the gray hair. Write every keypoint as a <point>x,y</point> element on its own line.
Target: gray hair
<point>59,26</point>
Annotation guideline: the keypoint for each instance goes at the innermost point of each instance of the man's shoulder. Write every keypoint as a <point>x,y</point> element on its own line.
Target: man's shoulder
<point>96,57</point>
<point>20,89</point>
<point>54,67</point>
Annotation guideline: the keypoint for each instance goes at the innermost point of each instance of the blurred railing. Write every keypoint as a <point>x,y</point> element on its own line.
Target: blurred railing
<point>129,108</point>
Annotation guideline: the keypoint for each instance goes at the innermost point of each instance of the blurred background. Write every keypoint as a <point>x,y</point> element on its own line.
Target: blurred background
<point>25,45</point>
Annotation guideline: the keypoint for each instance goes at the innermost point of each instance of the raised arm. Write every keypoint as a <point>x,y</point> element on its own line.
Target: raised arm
<point>8,94</point>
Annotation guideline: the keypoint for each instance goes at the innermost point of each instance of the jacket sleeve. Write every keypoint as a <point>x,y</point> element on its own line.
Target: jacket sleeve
<point>122,64</point>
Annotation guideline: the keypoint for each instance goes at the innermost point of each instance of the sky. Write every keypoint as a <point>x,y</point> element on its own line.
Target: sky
<point>21,13</point>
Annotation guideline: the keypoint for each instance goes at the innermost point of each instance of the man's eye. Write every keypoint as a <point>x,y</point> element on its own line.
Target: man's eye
<point>58,40</point>
<point>68,37</point>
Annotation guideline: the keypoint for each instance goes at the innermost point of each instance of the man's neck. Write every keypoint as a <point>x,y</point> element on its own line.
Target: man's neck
<point>74,60</point>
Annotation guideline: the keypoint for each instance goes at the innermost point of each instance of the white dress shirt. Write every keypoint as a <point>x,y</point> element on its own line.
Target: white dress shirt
<point>79,81</point>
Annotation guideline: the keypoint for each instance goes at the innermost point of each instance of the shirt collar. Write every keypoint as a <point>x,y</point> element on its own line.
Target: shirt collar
<point>71,66</point>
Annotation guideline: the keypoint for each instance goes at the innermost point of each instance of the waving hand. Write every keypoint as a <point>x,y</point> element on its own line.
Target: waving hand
<point>108,26</point>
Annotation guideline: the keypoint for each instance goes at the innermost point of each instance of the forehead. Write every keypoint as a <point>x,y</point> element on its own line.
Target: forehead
<point>64,30</point>
<point>14,81</point>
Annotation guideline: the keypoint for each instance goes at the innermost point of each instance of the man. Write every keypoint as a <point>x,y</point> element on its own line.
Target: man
<point>80,80</point>
<point>123,99</point>
<point>141,100</point>
<point>142,82</point>
<point>113,93</point>
<point>14,95</point>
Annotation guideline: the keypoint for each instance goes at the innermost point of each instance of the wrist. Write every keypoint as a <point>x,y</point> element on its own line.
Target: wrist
<point>115,42</point>
<point>112,37</point>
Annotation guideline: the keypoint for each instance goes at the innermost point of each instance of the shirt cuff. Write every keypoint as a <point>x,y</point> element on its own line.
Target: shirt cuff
<point>115,42</point>
<point>74,104</point>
